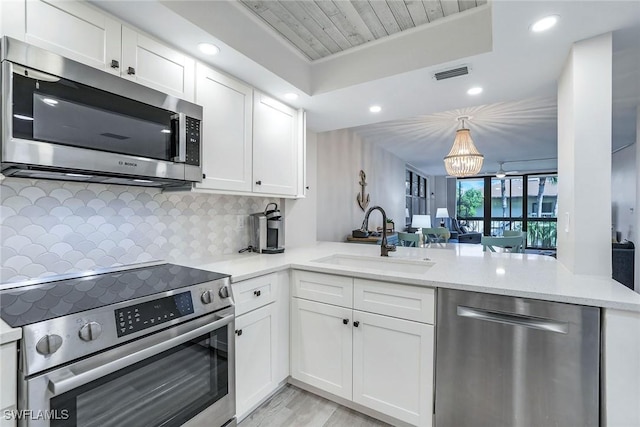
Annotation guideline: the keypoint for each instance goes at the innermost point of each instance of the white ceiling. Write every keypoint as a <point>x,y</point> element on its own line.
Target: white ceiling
<point>514,116</point>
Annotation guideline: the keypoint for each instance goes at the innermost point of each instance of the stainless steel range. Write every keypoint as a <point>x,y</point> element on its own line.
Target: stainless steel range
<point>147,345</point>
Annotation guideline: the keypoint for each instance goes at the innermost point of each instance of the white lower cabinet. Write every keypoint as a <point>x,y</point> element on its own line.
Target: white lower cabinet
<point>393,366</point>
<point>262,338</point>
<point>378,361</point>
<point>321,346</point>
<point>255,361</point>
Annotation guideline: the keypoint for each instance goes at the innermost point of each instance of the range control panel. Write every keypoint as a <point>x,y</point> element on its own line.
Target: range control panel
<point>145,315</point>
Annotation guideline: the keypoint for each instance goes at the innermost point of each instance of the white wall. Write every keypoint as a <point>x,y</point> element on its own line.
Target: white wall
<point>623,193</point>
<point>584,141</point>
<point>301,214</point>
<point>341,156</point>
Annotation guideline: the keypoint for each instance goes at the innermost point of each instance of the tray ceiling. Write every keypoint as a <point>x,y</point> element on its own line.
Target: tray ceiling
<point>324,27</point>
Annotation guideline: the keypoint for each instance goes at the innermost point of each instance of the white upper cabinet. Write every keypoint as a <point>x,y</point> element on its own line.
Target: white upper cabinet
<point>275,147</point>
<point>157,66</point>
<point>226,131</point>
<point>73,30</point>
<point>81,32</point>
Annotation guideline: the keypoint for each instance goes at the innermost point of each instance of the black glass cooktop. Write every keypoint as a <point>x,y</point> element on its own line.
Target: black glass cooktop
<point>35,303</point>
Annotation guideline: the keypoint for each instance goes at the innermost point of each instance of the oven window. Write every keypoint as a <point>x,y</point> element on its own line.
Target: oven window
<point>59,111</point>
<point>165,390</point>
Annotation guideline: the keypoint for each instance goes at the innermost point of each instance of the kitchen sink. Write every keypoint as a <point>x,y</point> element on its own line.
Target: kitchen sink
<point>398,265</point>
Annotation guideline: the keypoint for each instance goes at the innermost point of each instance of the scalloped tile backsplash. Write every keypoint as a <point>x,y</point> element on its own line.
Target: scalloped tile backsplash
<point>54,227</point>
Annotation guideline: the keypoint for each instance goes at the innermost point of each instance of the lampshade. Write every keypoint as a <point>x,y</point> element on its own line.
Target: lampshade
<point>464,159</point>
<point>421,221</point>
<point>442,213</point>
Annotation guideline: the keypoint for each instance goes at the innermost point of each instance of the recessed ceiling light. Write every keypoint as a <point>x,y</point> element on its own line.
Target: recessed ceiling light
<point>545,23</point>
<point>291,95</point>
<point>208,48</point>
<point>475,90</point>
<point>165,131</point>
<point>50,101</point>
<point>375,108</point>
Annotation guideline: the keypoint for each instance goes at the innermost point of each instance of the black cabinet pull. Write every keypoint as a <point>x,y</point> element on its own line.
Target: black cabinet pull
<point>257,293</point>
<point>345,321</point>
<point>239,332</point>
<point>204,176</point>
<point>115,64</point>
<point>258,182</point>
<point>356,323</point>
<point>131,71</point>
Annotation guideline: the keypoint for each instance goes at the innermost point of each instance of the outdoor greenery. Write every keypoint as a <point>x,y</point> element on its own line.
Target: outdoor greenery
<point>469,201</point>
<point>542,234</point>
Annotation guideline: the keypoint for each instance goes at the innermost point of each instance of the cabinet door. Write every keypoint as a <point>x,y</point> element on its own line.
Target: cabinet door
<point>157,66</point>
<point>275,157</point>
<point>226,131</point>
<point>75,30</point>
<point>255,364</point>
<point>321,348</point>
<point>393,367</point>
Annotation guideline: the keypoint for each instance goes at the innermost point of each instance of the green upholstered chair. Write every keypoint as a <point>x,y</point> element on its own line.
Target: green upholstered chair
<point>436,235</point>
<point>513,244</point>
<point>409,239</point>
<point>512,233</point>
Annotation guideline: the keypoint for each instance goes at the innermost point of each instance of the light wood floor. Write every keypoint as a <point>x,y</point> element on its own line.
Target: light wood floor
<point>293,407</point>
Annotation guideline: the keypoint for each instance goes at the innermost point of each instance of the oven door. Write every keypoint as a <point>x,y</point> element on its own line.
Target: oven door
<point>160,380</point>
<point>60,124</point>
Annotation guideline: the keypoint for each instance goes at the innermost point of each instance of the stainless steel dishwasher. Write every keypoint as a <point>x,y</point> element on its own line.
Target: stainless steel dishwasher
<point>506,361</point>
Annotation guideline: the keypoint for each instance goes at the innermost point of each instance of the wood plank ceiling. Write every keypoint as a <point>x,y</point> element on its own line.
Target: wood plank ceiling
<point>319,28</point>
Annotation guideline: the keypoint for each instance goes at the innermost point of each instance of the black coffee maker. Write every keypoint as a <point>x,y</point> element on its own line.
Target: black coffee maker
<point>267,231</point>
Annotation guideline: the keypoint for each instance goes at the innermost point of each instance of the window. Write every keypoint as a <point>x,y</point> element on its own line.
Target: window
<point>526,203</point>
<point>416,195</point>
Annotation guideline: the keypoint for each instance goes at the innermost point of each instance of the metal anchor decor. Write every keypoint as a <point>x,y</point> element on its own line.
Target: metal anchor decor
<point>363,201</point>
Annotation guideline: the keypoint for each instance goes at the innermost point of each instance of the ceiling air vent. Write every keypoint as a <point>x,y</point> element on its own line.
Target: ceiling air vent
<point>455,72</point>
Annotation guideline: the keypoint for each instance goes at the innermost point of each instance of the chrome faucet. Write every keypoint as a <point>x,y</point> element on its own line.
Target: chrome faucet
<point>385,248</point>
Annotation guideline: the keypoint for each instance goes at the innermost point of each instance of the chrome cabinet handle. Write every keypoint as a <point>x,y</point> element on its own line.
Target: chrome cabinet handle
<point>514,319</point>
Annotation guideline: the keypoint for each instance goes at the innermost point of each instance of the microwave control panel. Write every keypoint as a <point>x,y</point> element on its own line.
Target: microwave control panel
<point>193,141</point>
<point>135,318</point>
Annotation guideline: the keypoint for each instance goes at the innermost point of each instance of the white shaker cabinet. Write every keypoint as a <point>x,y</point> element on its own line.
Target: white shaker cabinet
<point>393,366</point>
<point>72,29</point>
<point>255,358</point>
<point>157,66</point>
<point>275,147</point>
<point>83,33</point>
<point>321,346</point>
<point>226,131</point>
<point>262,338</point>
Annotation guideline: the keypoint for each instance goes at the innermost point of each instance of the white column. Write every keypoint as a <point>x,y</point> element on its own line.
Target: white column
<point>584,153</point>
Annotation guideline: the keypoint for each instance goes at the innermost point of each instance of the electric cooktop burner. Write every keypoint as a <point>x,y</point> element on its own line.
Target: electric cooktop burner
<point>43,301</point>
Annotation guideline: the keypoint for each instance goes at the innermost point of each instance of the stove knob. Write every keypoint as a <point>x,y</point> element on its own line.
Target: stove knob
<point>207,297</point>
<point>224,292</point>
<point>90,331</point>
<point>49,344</point>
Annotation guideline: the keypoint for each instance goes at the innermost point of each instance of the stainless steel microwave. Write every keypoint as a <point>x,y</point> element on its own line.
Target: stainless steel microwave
<point>65,120</point>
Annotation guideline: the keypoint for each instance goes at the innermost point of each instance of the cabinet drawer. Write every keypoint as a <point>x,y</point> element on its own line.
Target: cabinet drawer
<point>336,290</point>
<point>253,293</point>
<point>392,299</point>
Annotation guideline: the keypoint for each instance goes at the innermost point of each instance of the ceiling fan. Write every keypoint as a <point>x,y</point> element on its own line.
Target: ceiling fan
<point>501,173</point>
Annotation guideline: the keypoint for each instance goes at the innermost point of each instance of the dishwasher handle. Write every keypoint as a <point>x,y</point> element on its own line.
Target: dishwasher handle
<point>514,319</point>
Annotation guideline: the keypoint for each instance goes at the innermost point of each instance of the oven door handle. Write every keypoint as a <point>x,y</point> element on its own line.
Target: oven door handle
<point>67,380</point>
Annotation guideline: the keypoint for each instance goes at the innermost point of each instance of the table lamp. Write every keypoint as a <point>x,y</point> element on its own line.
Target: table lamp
<point>421,221</point>
<point>442,213</point>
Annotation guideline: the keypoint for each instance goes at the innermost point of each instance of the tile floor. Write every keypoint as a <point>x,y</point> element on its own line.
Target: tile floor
<point>293,407</point>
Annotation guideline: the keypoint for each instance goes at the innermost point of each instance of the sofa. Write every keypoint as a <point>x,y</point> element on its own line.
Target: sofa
<point>464,235</point>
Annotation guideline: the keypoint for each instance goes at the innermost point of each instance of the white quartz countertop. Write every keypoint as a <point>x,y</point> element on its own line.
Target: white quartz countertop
<point>9,334</point>
<point>455,266</point>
